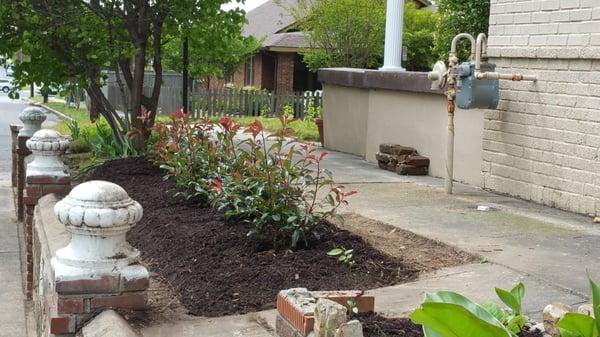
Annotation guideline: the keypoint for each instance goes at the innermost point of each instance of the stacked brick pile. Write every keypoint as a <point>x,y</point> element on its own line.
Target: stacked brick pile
<point>403,160</point>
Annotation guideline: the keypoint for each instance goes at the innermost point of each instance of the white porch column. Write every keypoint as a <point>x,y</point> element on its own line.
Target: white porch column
<point>394,24</point>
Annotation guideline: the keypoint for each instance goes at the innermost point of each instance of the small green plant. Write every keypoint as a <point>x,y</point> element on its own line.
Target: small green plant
<point>288,111</point>
<point>79,145</point>
<point>352,307</point>
<point>581,325</point>
<point>313,111</point>
<point>343,255</point>
<point>74,129</point>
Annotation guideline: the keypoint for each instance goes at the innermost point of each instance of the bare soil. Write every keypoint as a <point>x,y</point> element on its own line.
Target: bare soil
<point>215,269</point>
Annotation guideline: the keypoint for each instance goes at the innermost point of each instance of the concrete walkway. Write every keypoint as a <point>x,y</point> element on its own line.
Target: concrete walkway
<point>547,249</point>
<point>14,310</point>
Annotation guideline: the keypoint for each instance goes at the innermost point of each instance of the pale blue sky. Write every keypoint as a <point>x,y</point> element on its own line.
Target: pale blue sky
<point>248,5</point>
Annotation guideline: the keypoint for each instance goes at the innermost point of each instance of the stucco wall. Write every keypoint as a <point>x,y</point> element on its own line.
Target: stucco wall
<point>363,109</point>
<point>419,120</point>
<point>542,142</point>
<point>345,110</point>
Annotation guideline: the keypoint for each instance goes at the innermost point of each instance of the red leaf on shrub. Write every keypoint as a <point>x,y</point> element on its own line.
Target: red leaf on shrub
<point>229,124</point>
<point>178,114</point>
<point>218,187</point>
<point>254,128</point>
<point>323,155</point>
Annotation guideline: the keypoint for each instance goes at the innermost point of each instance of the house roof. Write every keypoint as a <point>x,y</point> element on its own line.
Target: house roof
<point>269,18</point>
<point>286,40</point>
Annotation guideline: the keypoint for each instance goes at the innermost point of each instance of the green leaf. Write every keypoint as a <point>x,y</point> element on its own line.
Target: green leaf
<point>595,302</point>
<point>518,292</point>
<point>516,323</point>
<point>454,320</point>
<point>578,324</point>
<point>509,299</point>
<point>335,252</point>
<point>454,298</point>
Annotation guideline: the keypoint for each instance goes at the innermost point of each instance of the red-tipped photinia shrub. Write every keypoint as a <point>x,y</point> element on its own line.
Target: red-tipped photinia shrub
<point>278,187</point>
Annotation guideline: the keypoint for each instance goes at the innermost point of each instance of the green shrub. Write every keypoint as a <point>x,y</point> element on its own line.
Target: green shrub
<point>272,186</point>
<point>80,145</point>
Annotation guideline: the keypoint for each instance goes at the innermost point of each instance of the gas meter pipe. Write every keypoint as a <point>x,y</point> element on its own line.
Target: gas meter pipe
<point>451,95</point>
<point>481,55</point>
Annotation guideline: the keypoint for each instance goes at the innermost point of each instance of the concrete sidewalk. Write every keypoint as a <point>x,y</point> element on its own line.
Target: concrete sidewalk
<point>13,322</point>
<point>553,246</point>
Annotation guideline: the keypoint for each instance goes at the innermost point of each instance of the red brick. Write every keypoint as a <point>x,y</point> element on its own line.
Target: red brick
<point>135,284</point>
<point>70,305</point>
<point>418,161</point>
<point>30,200</point>
<point>49,180</point>
<point>130,301</point>
<point>303,323</point>
<point>105,284</point>
<point>62,325</point>
<point>33,190</point>
<point>55,188</point>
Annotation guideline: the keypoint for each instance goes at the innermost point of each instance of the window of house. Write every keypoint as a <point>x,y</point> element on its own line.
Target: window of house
<point>249,76</point>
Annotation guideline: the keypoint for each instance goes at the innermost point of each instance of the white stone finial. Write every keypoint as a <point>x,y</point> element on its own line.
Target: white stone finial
<point>47,146</point>
<point>32,118</point>
<point>98,214</point>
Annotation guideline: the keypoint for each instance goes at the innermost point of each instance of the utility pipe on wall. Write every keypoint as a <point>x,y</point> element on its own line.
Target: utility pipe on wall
<point>451,95</point>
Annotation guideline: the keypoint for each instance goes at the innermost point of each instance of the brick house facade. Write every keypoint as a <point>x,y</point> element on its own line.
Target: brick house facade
<point>542,143</point>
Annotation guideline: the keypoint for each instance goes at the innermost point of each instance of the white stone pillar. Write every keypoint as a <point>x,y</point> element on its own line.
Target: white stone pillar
<point>47,147</point>
<point>32,118</point>
<point>394,24</point>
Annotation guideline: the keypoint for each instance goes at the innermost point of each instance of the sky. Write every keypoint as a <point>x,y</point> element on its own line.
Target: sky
<point>248,5</point>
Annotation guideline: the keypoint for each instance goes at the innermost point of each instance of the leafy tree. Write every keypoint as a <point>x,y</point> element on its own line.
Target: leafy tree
<point>342,33</point>
<point>75,41</point>
<point>460,16</point>
<point>214,50</point>
<point>419,37</point>
<point>351,33</point>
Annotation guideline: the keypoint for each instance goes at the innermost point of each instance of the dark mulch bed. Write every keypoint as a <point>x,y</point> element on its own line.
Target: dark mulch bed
<point>378,326</point>
<point>216,269</point>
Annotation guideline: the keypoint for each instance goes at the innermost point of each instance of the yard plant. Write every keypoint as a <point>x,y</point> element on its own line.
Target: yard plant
<point>278,188</point>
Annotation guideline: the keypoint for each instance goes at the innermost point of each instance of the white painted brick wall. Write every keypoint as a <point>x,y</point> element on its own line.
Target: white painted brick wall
<point>543,141</point>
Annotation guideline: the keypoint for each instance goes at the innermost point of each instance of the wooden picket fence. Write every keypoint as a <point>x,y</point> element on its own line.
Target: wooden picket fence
<point>210,103</point>
<point>230,102</point>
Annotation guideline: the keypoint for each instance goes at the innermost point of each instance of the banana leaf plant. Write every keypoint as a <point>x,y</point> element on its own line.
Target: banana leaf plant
<point>448,314</point>
<point>580,325</point>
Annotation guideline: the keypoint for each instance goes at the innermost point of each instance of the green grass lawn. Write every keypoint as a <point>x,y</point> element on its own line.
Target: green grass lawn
<point>81,116</point>
<point>303,129</point>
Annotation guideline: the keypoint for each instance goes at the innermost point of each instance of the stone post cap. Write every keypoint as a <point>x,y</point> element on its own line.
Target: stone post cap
<point>32,118</point>
<point>98,204</point>
<point>32,113</point>
<point>48,141</point>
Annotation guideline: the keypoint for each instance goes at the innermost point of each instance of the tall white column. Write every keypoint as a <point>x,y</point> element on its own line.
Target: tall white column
<point>394,24</point>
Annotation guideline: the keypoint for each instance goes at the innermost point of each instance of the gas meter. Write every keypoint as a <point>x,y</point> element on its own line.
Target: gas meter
<point>474,93</point>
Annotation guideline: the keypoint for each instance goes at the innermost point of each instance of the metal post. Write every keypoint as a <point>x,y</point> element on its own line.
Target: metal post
<point>186,63</point>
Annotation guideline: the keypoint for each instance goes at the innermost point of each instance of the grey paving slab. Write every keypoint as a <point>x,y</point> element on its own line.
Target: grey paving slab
<point>13,320</point>
<point>229,326</point>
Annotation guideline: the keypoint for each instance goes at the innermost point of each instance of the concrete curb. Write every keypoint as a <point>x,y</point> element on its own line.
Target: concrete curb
<point>59,114</point>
